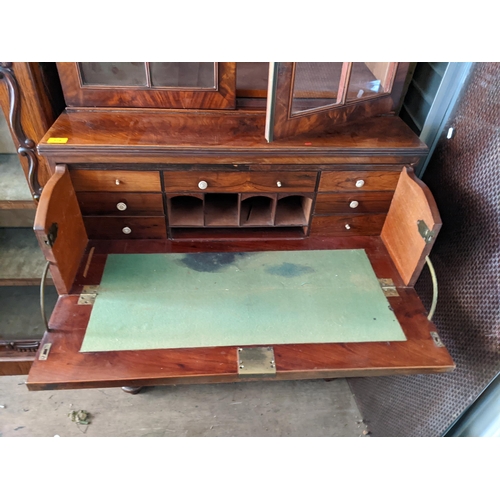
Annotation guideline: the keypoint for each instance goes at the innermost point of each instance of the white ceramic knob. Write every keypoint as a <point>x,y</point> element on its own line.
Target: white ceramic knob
<point>117,182</point>
<point>278,184</point>
<point>347,226</point>
<point>203,184</point>
<point>126,230</point>
<point>360,183</point>
<point>121,206</point>
<point>354,204</point>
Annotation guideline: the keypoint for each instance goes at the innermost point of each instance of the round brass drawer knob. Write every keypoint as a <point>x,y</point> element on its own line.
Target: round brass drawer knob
<point>347,226</point>
<point>278,184</point>
<point>126,230</point>
<point>117,182</point>
<point>354,204</point>
<point>203,184</point>
<point>121,206</point>
<point>360,183</point>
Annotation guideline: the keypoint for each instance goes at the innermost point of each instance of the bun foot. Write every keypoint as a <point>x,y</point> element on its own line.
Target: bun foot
<point>132,390</point>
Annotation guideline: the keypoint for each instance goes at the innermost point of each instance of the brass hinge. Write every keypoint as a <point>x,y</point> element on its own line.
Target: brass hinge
<point>256,362</point>
<point>388,287</point>
<point>88,295</point>
<point>425,232</point>
<point>44,353</point>
<point>437,339</point>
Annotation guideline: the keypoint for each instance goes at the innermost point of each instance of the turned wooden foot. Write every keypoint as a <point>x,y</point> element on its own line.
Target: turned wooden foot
<point>132,390</point>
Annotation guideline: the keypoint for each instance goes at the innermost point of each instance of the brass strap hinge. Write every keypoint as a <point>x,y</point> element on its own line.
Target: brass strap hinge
<point>425,232</point>
<point>388,287</point>
<point>88,295</point>
<point>256,362</point>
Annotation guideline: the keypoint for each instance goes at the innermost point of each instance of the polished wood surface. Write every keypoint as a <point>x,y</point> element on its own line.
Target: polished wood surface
<point>66,367</point>
<point>40,104</point>
<point>112,227</point>
<point>283,124</point>
<point>221,137</point>
<point>343,225</point>
<point>412,202</point>
<point>346,181</point>
<point>58,209</point>
<point>75,94</point>
<point>240,182</point>
<point>368,201</point>
<point>97,203</point>
<point>115,181</point>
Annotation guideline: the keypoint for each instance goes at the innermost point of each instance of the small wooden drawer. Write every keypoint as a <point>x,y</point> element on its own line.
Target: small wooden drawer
<point>367,202</point>
<point>239,182</point>
<point>115,180</point>
<point>360,180</point>
<point>122,204</point>
<point>348,225</point>
<point>118,228</point>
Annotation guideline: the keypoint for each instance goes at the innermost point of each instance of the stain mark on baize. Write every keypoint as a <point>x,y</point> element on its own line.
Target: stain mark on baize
<point>209,262</point>
<point>289,270</point>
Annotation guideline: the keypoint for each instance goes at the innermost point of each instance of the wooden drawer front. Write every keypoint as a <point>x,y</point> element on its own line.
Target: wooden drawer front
<point>370,180</point>
<point>111,228</point>
<point>344,203</point>
<point>240,182</point>
<point>359,225</point>
<point>121,204</point>
<point>115,180</point>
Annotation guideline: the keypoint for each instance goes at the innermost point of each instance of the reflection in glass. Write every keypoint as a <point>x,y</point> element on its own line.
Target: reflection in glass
<point>369,79</point>
<point>316,84</point>
<point>120,74</point>
<point>183,74</point>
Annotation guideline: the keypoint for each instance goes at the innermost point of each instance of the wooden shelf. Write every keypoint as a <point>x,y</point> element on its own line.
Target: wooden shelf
<point>257,210</point>
<point>21,260</point>
<point>293,211</point>
<point>221,210</point>
<point>185,211</point>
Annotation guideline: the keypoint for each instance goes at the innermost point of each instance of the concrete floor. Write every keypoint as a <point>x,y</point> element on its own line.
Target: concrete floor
<point>301,408</point>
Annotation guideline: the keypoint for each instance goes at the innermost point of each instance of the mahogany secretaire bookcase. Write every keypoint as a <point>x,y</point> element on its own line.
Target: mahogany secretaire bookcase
<point>213,165</point>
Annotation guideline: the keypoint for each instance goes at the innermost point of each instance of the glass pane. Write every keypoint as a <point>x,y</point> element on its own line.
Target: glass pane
<point>316,84</point>
<point>183,74</point>
<point>369,79</point>
<point>120,74</point>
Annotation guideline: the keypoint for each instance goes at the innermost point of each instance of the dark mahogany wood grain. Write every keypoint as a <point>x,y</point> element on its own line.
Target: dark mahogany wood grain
<point>240,182</point>
<point>115,180</point>
<point>98,203</point>
<point>359,225</point>
<point>320,121</point>
<point>368,201</point>
<point>58,216</point>
<point>221,137</point>
<point>67,368</point>
<point>412,202</point>
<point>112,227</point>
<point>224,97</point>
<point>346,180</point>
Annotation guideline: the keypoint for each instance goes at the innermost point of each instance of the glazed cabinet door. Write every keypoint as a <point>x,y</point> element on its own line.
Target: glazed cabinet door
<point>313,96</point>
<point>186,85</point>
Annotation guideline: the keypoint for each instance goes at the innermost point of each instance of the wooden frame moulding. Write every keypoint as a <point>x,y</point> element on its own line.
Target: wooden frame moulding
<point>78,95</point>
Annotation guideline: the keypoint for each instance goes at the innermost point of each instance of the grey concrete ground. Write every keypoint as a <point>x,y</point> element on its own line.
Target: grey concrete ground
<point>302,408</point>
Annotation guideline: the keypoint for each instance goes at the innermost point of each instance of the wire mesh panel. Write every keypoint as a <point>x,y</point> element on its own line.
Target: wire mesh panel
<point>464,178</point>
